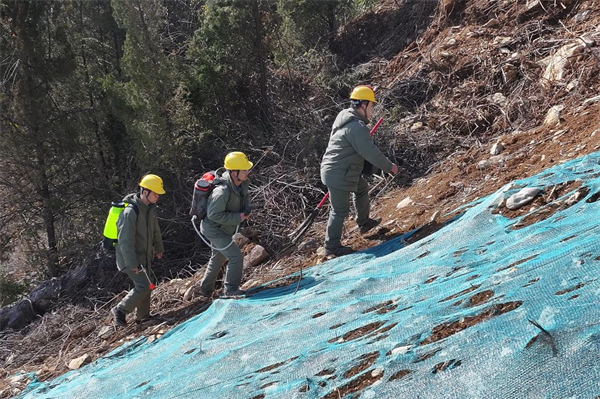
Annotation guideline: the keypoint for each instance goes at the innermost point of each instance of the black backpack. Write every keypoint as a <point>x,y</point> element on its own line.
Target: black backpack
<point>202,190</point>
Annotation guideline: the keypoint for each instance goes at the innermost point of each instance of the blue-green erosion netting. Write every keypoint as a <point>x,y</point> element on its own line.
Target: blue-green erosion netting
<point>397,321</point>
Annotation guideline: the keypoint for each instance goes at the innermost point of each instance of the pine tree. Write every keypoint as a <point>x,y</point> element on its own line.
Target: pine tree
<point>35,131</point>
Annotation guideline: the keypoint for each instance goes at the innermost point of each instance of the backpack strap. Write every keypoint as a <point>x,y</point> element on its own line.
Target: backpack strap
<point>135,208</point>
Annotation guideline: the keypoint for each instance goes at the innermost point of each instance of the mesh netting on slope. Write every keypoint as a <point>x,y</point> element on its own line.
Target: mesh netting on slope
<point>446,317</point>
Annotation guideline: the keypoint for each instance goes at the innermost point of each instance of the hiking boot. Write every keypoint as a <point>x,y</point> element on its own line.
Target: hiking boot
<point>338,251</point>
<point>119,317</point>
<point>369,225</point>
<point>205,294</point>
<point>234,292</point>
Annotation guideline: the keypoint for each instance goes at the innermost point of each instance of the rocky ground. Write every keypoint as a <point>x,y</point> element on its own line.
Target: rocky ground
<point>510,89</point>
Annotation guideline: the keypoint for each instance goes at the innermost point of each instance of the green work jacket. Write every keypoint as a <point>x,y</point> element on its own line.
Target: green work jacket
<point>350,144</point>
<point>224,206</point>
<point>138,235</point>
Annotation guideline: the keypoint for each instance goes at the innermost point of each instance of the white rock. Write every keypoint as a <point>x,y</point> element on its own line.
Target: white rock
<point>497,148</point>
<point>376,373</point>
<point>416,126</point>
<point>553,115</point>
<point>404,203</point>
<point>555,64</point>
<point>523,197</point>
<point>401,350</point>
<point>80,361</point>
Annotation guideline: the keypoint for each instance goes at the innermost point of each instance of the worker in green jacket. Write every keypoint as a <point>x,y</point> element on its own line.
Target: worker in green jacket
<point>227,207</point>
<point>138,242</point>
<point>350,145</point>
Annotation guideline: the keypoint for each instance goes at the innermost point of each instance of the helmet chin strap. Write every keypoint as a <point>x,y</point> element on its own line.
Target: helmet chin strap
<point>236,177</point>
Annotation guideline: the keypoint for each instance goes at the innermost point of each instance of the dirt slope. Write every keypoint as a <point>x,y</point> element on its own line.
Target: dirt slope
<point>470,75</point>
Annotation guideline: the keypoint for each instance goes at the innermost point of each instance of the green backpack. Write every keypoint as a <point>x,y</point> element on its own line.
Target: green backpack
<point>110,227</point>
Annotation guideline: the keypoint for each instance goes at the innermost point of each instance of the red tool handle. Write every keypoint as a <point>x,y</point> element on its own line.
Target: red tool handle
<point>327,195</point>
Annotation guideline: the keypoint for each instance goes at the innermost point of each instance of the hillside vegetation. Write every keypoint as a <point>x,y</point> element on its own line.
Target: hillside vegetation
<point>94,94</point>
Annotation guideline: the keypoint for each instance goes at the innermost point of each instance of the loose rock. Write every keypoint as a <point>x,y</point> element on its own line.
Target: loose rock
<point>256,256</point>
<point>240,240</point>
<point>553,115</point>
<point>416,126</point>
<point>80,361</point>
<point>496,149</point>
<point>404,203</point>
<point>523,197</point>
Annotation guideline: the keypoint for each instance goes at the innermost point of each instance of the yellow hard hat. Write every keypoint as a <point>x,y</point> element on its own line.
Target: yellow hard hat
<point>153,183</point>
<point>237,161</point>
<point>363,92</point>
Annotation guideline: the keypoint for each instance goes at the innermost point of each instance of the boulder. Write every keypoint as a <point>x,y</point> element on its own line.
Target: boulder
<point>256,256</point>
<point>556,63</point>
<point>523,197</point>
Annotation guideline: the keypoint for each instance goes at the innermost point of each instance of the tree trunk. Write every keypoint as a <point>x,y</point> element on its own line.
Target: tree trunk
<point>47,213</point>
<point>331,6</point>
<point>262,67</point>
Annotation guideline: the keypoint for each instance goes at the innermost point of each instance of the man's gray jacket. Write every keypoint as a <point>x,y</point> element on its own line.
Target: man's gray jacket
<point>349,146</point>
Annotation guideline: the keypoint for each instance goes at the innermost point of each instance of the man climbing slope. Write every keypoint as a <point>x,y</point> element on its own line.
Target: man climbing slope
<point>228,206</point>
<point>139,241</point>
<point>350,144</point>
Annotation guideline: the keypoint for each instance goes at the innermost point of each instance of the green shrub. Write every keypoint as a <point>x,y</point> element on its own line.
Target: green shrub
<point>10,290</point>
